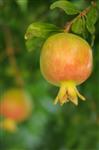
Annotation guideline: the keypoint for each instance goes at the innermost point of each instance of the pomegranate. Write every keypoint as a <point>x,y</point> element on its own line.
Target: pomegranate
<point>15,105</point>
<point>66,61</point>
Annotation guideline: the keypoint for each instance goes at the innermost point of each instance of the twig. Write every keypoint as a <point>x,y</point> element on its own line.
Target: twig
<point>81,14</point>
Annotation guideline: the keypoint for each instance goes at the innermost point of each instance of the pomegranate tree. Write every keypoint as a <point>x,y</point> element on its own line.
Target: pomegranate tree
<point>66,61</point>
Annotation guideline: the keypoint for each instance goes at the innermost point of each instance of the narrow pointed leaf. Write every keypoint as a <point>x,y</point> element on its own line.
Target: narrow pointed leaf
<point>91,19</point>
<point>77,26</point>
<point>67,6</point>
<point>41,30</point>
<point>92,16</point>
<point>85,31</point>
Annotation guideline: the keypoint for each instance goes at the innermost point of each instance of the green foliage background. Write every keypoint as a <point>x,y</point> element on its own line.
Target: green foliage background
<point>49,127</point>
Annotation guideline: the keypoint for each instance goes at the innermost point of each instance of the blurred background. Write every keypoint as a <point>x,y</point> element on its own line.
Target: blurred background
<point>49,127</point>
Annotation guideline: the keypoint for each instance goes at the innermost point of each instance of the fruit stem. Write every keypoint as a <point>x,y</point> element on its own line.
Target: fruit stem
<point>68,92</point>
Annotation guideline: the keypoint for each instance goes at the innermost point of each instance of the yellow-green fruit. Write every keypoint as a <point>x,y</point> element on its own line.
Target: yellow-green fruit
<point>16,105</point>
<point>66,61</point>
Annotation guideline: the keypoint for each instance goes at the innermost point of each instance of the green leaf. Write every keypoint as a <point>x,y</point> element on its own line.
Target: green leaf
<point>77,26</point>
<point>37,32</point>
<point>42,30</point>
<point>34,43</point>
<point>91,19</point>
<point>67,6</point>
<point>85,31</point>
<point>92,16</point>
<point>91,28</point>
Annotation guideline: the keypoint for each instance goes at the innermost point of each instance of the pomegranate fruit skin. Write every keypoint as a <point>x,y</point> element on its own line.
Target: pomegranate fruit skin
<point>16,105</point>
<point>65,57</point>
<point>66,61</point>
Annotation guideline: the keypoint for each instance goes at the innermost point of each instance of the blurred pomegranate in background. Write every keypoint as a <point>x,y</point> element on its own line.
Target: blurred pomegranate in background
<point>15,106</point>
